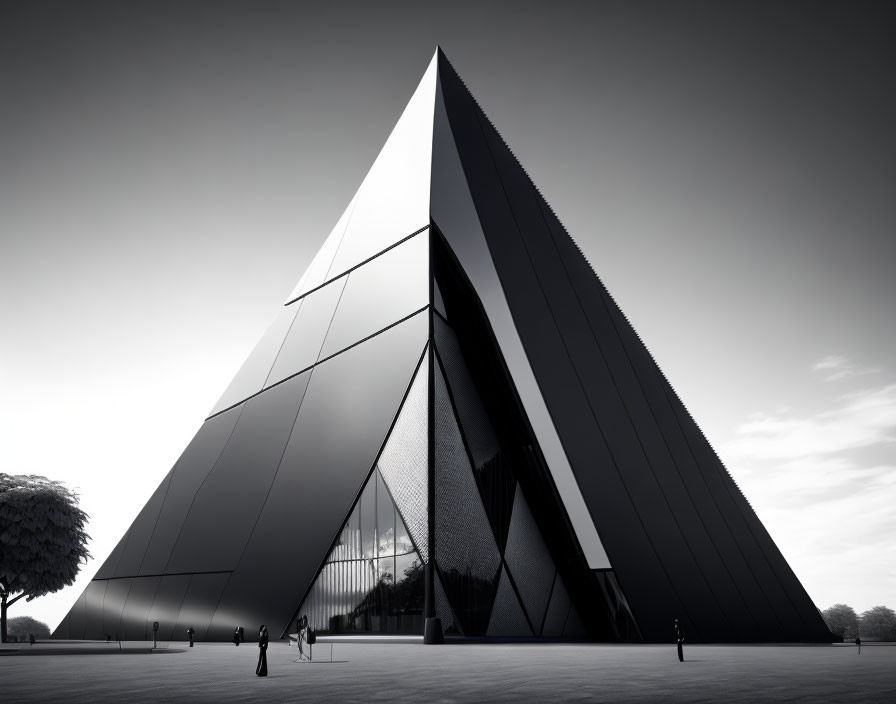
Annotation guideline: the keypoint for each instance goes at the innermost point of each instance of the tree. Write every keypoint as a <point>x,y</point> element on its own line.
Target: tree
<point>23,626</point>
<point>842,621</point>
<point>42,539</point>
<point>878,623</point>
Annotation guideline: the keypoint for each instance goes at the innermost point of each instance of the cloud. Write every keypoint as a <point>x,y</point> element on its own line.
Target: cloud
<point>824,485</point>
<point>859,420</point>
<point>841,368</point>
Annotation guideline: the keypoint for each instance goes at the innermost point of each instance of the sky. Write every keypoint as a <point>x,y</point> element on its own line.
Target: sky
<point>168,170</point>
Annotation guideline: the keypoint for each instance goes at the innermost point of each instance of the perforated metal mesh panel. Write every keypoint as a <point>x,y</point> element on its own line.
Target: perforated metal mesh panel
<point>403,460</point>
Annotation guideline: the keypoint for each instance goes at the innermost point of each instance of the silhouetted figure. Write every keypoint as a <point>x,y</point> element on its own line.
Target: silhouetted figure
<point>262,669</point>
<point>155,632</point>
<point>679,640</point>
<point>190,633</point>
<point>236,636</point>
<point>31,639</point>
<point>859,644</point>
<point>302,636</point>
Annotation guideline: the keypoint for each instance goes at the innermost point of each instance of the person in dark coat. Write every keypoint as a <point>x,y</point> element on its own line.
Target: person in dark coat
<point>679,639</point>
<point>859,644</point>
<point>262,669</point>
<point>236,637</point>
<point>191,632</point>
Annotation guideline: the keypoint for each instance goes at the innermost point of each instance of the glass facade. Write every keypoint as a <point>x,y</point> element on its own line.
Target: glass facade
<point>372,581</point>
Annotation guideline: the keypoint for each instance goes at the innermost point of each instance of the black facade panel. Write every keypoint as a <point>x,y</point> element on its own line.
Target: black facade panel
<point>141,531</point>
<point>187,475</point>
<point>93,611</point>
<point>108,568</point>
<point>114,598</point>
<point>508,618</point>
<point>618,407</point>
<point>351,402</point>
<point>77,619</point>
<point>558,610</point>
<point>135,623</point>
<point>749,610</point>
<point>166,605</point>
<point>199,604</point>
<point>529,562</point>
<point>621,531</point>
<point>227,505</point>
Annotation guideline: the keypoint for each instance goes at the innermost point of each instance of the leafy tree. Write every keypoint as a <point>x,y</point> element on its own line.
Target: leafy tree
<point>42,539</point>
<point>23,626</point>
<point>842,621</point>
<point>878,623</point>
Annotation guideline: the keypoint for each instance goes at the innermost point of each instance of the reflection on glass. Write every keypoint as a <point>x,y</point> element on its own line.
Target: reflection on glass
<point>356,592</point>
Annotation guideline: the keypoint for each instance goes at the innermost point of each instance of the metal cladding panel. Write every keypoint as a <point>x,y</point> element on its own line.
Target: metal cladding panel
<point>135,623</point>
<point>558,610</point>
<point>750,613</point>
<point>471,413</point>
<point>108,567</point>
<point>166,605</point>
<point>404,461</point>
<point>610,504</point>
<point>114,599</point>
<point>316,273</point>
<point>199,604</point>
<point>756,573</point>
<point>93,611</point>
<point>456,217</point>
<point>303,343</point>
<point>628,457</point>
<point>140,532</point>
<point>252,375</point>
<point>393,201</point>
<point>380,293</point>
<point>529,561</point>
<point>527,259</point>
<point>227,505</point>
<point>507,617</point>
<point>76,620</point>
<point>185,478</point>
<point>351,403</point>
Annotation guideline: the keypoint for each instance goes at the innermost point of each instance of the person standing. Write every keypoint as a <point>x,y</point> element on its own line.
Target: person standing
<point>262,668</point>
<point>679,639</point>
<point>236,637</point>
<point>859,644</point>
<point>190,633</point>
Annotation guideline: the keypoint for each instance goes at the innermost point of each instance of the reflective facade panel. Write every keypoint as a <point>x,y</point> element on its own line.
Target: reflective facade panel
<point>167,603</point>
<point>380,293</point>
<point>394,199</point>
<point>303,343</point>
<point>187,475</point>
<point>316,273</point>
<point>251,377</point>
<point>203,594</point>
<point>94,612</point>
<point>466,553</point>
<point>114,598</point>
<point>134,623</point>
<point>226,507</point>
<point>140,532</point>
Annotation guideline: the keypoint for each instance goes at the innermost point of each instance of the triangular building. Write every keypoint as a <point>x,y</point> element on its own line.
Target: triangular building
<point>449,424</point>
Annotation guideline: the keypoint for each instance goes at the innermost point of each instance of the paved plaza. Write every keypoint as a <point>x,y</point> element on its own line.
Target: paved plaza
<point>457,673</point>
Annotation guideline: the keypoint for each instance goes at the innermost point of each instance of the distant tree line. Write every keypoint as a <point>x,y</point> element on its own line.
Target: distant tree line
<point>878,623</point>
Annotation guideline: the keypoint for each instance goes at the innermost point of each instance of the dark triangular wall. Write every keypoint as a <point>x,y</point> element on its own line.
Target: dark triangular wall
<point>679,535</point>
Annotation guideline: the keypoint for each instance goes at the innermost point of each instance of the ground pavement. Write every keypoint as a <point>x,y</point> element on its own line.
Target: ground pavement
<point>217,672</point>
